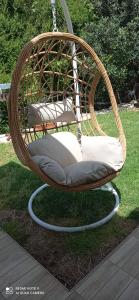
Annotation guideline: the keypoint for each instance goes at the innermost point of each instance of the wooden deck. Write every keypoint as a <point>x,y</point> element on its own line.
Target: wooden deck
<point>18,269</point>
<point>116,278</point>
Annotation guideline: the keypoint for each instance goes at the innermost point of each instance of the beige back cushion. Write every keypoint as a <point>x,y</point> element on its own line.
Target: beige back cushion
<point>62,147</point>
<point>104,149</point>
<point>60,111</point>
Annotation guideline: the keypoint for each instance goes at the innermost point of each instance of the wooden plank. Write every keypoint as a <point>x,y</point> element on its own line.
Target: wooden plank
<point>136,233</point>
<point>17,269</point>
<point>125,252</point>
<point>49,287</point>
<point>132,291</point>
<point>9,256</point>
<point>2,234</point>
<point>29,279</point>
<point>8,265</point>
<point>55,290</point>
<point>56,293</point>
<point>114,287</point>
<point>5,243</point>
<point>131,266</point>
<point>137,275</point>
<point>45,126</point>
<point>96,279</point>
<point>74,296</point>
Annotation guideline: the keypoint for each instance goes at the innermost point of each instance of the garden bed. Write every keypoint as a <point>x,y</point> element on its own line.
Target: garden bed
<point>70,257</point>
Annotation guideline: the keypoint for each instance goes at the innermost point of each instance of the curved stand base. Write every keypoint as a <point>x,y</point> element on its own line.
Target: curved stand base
<point>108,187</point>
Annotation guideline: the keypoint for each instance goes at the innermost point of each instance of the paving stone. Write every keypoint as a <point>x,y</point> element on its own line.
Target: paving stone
<point>114,286</point>
<point>16,269</point>
<point>131,292</point>
<point>96,279</point>
<point>19,269</point>
<point>75,296</point>
<point>113,279</point>
<point>125,252</point>
<point>136,233</point>
<point>2,234</point>
<point>132,265</point>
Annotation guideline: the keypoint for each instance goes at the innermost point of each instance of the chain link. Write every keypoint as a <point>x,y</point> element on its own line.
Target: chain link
<point>54,18</point>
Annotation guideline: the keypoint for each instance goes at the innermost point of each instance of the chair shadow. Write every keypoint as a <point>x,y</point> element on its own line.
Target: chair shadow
<point>18,183</point>
<point>16,180</point>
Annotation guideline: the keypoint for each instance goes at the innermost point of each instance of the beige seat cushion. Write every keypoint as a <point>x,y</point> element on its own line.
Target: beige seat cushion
<point>104,149</point>
<point>86,172</point>
<point>59,156</point>
<point>59,111</point>
<point>62,147</point>
<point>73,175</point>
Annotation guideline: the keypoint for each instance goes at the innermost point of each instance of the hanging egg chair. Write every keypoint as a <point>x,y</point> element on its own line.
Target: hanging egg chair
<point>54,127</point>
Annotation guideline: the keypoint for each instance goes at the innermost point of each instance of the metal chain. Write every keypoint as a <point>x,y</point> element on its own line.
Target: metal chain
<point>54,18</point>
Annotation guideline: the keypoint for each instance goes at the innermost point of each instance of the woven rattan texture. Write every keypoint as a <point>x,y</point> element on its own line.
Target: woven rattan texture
<point>45,73</point>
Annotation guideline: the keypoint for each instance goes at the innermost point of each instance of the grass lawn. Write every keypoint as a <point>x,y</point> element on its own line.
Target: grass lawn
<point>70,256</point>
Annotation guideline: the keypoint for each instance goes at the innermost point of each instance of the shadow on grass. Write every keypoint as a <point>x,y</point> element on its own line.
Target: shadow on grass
<point>134,215</point>
<point>52,205</point>
<point>69,257</point>
<point>18,183</point>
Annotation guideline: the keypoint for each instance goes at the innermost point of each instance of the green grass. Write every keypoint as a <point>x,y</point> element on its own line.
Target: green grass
<point>17,183</point>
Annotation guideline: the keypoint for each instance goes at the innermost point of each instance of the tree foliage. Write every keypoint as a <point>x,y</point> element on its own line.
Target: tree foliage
<point>114,35</point>
<point>110,26</point>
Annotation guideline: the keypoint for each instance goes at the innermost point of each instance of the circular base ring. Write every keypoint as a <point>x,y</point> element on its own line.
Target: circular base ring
<point>108,187</point>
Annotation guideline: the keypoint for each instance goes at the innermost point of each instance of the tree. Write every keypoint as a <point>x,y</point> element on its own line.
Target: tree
<point>110,26</point>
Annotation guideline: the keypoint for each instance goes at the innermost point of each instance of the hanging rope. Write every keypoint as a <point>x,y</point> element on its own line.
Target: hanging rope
<point>53,4</point>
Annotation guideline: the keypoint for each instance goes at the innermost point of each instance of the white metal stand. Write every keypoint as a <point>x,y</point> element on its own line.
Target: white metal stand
<point>108,187</point>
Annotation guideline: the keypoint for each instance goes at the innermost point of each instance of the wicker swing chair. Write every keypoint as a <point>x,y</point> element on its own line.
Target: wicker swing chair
<point>53,124</point>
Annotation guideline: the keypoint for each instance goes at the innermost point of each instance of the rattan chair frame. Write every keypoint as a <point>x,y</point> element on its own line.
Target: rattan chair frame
<point>17,138</point>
